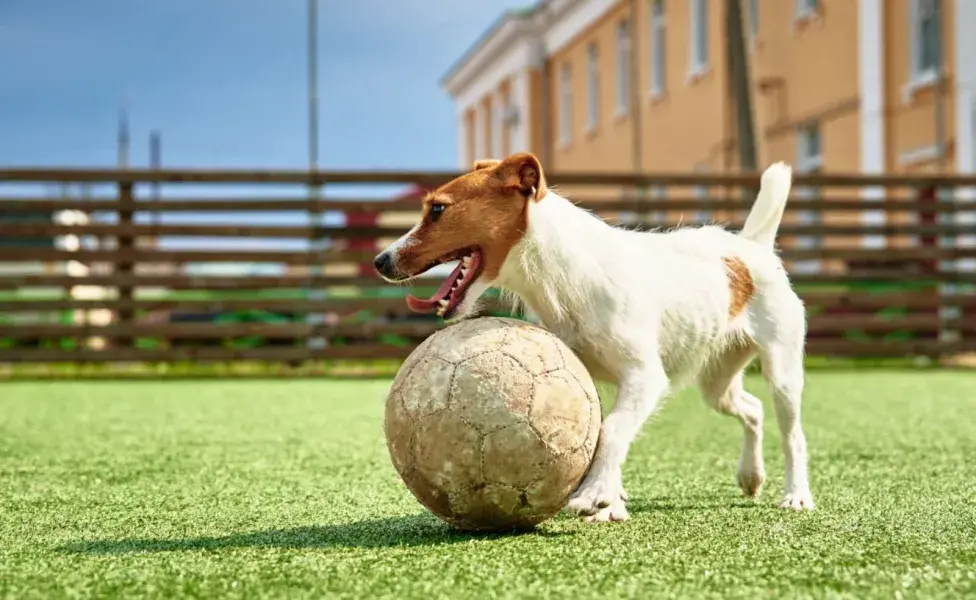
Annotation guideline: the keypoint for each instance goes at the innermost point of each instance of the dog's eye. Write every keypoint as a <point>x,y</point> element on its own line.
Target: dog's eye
<point>436,210</point>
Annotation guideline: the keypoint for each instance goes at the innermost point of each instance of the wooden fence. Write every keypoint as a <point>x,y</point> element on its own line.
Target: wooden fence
<point>886,265</point>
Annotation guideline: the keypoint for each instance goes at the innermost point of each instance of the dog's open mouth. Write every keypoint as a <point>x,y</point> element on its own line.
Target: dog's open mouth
<point>451,293</point>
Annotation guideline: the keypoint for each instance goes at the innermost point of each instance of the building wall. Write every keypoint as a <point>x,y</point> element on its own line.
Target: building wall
<point>819,69</point>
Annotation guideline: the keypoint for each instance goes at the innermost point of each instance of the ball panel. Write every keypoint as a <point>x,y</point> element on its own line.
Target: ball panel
<point>435,499</point>
<point>447,451</point>
<point>494,507</point>
<point>398,428</point>
<point>406,369</point>
<point>561,411</point>
<point>551,490</point>
<point>485,399</point>
<point>514,456</point>
<point>462,340</point>
<point>427,389</point>
<point>535,349</point>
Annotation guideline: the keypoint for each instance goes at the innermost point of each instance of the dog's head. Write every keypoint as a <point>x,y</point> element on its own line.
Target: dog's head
<point>476,219</point>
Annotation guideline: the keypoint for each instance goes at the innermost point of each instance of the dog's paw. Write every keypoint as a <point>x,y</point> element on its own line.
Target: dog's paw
<point>797,501</point>
<point>751,480</point>
<point>594,496</point>
<point>615,513</point>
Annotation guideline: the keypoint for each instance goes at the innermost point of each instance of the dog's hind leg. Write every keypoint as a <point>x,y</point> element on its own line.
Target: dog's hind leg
<point>779,332</point>
<point>601,495</point>
<point>721,386</point>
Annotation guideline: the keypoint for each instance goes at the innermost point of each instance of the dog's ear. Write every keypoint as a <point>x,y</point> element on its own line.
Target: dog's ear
<point>524,171</point>
<point>485,163</point>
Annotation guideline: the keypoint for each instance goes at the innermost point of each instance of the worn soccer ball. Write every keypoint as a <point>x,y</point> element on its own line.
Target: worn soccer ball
<point>492,423</point>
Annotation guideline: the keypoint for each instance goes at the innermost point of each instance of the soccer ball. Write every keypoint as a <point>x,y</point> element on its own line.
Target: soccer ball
<point>492,423</point>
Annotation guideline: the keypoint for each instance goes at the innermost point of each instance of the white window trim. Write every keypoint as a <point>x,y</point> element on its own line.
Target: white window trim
<point>624,44</point>
<point>592,87</point>
<point>565,104</point>
<point>658,31</point>
<point>918,78</point>
<point>698,65</point>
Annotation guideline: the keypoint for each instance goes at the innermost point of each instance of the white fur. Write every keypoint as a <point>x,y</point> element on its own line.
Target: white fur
<point>649,312</point>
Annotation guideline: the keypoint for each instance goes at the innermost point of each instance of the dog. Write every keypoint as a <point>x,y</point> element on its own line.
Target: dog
<point>648,311</point>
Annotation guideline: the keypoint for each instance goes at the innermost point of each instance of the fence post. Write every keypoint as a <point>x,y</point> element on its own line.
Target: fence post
<point>125,268</point>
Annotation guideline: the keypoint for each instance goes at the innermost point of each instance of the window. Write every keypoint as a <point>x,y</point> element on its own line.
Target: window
<point>623,67</point>
<point>806,8</point>
<point>565,103</point>
<point>699,36</point>
<point>925,40</point>
<point>753,18</point>
<point>809,159</point>
<point>592,87</point>
<point>657,48</point>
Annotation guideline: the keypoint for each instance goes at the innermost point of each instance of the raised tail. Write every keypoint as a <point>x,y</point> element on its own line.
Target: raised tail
<point>767,212</point>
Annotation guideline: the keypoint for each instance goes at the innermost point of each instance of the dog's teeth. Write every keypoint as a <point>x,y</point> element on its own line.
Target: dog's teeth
<point>466,260</point>
<point>443,303</point>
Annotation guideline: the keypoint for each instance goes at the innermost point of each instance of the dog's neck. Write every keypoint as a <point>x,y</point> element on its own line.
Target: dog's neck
<point>553,270</point>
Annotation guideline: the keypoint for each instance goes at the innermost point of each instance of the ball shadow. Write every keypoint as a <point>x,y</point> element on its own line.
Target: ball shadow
<point>389,532</point>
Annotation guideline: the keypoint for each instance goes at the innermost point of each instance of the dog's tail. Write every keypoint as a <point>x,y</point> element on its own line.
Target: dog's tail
<point>767,212</point>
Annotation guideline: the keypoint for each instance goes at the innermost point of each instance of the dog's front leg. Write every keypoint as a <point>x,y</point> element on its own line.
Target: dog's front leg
<point>601,496</point>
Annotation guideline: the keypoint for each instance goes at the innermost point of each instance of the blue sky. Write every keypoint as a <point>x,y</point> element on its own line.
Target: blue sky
<point>224,80</point>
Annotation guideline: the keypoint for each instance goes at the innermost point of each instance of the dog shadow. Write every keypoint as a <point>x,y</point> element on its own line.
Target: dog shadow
<point>389,532</point>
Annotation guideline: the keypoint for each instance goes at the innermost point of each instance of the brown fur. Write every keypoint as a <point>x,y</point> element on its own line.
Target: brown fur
<point>486,208</point>
<point>741,285</point>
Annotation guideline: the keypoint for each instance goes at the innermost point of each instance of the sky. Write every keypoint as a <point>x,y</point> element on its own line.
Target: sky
<point>225,80</point>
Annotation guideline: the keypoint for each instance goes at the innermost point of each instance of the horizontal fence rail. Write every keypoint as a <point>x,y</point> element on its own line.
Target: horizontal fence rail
<point>886,265</point>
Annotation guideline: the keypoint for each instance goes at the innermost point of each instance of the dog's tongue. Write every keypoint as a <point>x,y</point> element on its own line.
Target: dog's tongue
<point>430,305</point>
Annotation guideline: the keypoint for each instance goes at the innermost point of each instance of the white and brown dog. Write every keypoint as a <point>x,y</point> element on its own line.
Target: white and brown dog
<point>648,311</point>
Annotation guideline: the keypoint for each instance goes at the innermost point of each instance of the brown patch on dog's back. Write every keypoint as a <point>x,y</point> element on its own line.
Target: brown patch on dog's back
<point>741,285</point>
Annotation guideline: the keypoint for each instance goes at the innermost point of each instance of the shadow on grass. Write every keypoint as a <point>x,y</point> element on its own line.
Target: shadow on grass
<point>416,530</point>
<point>690,503</point>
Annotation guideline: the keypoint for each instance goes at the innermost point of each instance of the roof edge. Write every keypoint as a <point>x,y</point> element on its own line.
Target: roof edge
<point>484,40</point>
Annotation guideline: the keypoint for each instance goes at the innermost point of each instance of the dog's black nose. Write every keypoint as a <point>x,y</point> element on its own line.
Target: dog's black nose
<point>383,263</point>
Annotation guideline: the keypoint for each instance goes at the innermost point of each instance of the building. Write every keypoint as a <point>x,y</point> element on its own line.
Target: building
<point>622,85</point>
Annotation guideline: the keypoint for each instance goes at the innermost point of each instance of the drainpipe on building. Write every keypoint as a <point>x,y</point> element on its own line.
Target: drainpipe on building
<point>635,111</point>
<point>741,88</point>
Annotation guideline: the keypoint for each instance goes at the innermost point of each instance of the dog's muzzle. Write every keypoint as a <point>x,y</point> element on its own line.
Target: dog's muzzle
<point>383,263</point>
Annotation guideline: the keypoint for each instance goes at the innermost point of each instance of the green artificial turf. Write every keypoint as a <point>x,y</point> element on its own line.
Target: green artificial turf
<point>284,489</point>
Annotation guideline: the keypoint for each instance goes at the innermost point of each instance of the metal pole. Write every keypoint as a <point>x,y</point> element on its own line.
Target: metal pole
<point>313,93</point>
<point>155,162</point>
<point>123,138</point>
<point>316,243</point>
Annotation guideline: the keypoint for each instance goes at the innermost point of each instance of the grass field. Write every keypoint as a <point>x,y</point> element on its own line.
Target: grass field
<point>283,489</point>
